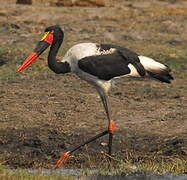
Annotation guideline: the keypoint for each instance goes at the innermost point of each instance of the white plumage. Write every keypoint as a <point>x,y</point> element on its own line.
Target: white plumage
<point>82,50</point>
<point>151,65</point>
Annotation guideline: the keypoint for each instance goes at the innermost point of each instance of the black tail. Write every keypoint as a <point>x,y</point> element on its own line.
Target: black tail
<point>163,76</point>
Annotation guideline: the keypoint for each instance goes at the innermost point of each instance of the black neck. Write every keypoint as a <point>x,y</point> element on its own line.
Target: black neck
<point>54,65</point>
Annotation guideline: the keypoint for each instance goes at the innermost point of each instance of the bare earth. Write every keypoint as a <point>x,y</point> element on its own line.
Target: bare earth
<point>43,114</point>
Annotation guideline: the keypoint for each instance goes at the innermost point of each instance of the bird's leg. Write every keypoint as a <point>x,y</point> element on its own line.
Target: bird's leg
<point>111,124</point>
<point>66,155</point>
<point>111,129</point>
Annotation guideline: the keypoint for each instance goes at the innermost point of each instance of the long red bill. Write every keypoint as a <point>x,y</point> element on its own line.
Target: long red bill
<point>43,44</point>
<point>30,59</point>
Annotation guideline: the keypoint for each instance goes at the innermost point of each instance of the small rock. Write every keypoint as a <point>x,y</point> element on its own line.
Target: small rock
<point>15,26</point>
<point>24,1</point>
<point>104,144</point>
<point>97,3</point>
<point>118,94</point>
<point>175,42</point>
<point>2,62</point>
<point>3,13</point>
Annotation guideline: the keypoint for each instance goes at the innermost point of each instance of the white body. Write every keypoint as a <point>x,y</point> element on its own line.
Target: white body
<point>79,51</point>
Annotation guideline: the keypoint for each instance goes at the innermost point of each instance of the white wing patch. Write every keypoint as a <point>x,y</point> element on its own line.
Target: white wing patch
<point>134,72</point>
<point>99,51</point>
<point>150,64</point>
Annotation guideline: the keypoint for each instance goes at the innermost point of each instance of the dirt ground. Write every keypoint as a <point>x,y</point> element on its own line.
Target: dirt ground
<point>43,114</point>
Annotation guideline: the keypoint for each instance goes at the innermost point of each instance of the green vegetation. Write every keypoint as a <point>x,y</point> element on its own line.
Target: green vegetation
<point>23,175</point>
<point>175,165</point>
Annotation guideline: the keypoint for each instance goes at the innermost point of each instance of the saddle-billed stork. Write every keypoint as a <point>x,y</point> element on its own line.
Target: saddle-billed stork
<point>99,65</point>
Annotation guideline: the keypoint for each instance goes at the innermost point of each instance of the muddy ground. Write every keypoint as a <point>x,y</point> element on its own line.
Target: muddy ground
<point>43,114</point>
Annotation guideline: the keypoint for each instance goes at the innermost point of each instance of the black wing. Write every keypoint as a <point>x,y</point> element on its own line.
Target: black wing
<point>105,66</point>
<point>108,66</point>
<point>127,54</point>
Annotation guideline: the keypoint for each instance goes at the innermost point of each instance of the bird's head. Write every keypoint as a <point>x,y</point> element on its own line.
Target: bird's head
<point>52,35</point>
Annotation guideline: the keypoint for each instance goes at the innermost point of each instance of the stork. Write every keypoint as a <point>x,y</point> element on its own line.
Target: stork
<point>99,65</point>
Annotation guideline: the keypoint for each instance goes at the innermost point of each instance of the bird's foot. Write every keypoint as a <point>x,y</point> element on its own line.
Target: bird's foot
<point>62,159</point>
<point>111,126</point>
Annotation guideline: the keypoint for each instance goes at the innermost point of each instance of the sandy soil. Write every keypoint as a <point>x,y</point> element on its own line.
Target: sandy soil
<point>43,114</point>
